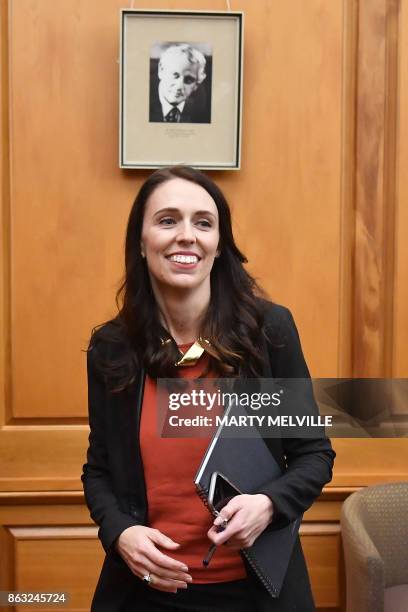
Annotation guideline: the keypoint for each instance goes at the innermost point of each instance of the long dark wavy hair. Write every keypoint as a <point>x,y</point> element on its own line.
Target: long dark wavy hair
<point>233,321</point>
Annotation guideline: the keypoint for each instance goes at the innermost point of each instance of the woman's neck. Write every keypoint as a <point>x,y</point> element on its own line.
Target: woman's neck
<point>182,312</point>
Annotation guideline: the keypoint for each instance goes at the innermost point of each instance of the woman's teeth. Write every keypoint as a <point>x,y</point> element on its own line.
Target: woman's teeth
<point>184,258</point>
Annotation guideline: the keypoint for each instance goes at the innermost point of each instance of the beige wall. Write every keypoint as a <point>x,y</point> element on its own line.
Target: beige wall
<point>318,208</point>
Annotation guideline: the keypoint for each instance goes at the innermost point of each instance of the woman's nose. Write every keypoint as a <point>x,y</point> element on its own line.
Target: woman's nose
<point>186,233</point>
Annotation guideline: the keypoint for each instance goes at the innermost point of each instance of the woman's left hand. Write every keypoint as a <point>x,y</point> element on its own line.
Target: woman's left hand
<point>247,515</point>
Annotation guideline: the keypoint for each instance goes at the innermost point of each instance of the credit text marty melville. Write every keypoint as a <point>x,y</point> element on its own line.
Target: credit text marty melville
<point>253,420</point>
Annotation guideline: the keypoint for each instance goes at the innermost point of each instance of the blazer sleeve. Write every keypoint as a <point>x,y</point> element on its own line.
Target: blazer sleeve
<point>99,496</point>
<point>309,461</point>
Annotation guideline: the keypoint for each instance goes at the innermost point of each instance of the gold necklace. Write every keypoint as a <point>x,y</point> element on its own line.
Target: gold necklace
<point>192,355</point>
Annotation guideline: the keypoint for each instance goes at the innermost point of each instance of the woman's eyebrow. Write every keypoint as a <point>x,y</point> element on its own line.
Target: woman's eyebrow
<point>205,212</point>
<point>172,209</point>
<point>167,209</point>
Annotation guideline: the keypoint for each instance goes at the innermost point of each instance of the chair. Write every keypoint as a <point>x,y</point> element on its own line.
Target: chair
<point>374,526</point>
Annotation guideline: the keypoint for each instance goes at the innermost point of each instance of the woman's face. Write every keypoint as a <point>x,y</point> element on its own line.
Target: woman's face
<point>180,236</point>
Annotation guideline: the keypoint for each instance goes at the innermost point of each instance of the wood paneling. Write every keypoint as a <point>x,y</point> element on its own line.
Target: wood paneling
<point>347,188</point>
<point>63,223</point>
<point>322,553</point>
<point>5,272</point>
<point>52,458</point>
<point>68,199</point>
<point>375,188</point>
<point>57,560</point>
<point>67,212</point>
<point>319,208</point>
<point>51,544</point>
<point>400,352</point>
<point>288,190</point>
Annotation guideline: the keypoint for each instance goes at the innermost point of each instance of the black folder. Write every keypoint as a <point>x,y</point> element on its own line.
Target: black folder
<point>247,464</point>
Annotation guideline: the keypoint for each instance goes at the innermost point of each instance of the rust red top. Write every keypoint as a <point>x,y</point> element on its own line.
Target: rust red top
<point>174,507</point>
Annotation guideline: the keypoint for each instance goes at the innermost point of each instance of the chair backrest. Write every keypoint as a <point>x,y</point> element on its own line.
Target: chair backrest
<point>383,512</point>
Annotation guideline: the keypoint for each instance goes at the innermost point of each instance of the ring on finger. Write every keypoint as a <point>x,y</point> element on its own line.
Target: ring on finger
<point>148,579</point>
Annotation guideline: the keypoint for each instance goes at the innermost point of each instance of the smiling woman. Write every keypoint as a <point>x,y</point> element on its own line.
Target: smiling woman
<point>186,288</point>
<point>180,239</point>
<point>179,212</point>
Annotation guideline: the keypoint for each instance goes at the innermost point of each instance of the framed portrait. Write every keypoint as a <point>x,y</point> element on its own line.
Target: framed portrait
<point>180,89</point>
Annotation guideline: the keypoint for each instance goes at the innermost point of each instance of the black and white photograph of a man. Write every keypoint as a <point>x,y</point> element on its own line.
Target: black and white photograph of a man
<point>180,82</point>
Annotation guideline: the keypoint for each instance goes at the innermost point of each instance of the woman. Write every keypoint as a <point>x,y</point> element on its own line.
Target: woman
<point>185,286</point>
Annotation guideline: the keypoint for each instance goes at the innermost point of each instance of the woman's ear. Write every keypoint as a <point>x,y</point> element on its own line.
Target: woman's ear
<point>142,251</point>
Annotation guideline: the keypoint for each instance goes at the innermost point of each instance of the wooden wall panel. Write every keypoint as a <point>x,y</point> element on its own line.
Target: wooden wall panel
<point>319,208</point>
<point>69,201</point>
<point>322,553</point>
<point>66,210</point>
<point>57,560</point>
<point>51,544</point>
<point>400,354</point>
<point>370,227</point>
<point>68,198</point>
<point>288,190</point>
<point>375,188</point>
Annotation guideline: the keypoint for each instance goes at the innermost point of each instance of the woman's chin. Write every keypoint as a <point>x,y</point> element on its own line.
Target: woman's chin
<point>182,284</point>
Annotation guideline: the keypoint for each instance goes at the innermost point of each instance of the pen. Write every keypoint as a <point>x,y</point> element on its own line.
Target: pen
<point>213,547</point>
<point>210,553</point>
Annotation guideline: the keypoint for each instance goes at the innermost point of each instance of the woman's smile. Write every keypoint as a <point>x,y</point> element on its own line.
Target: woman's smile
<point>184,260</point>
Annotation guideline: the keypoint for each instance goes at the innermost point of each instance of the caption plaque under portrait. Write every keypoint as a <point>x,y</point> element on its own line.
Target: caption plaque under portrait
<point>180,89</point>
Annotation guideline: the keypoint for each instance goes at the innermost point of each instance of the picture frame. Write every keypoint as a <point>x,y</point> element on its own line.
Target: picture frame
<point>181,75</point>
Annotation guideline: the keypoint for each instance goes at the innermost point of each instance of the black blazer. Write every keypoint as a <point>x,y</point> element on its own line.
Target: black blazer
<point>114,485</point>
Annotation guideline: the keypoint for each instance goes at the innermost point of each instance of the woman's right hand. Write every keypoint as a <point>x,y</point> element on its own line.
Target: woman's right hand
<point>138,548</point>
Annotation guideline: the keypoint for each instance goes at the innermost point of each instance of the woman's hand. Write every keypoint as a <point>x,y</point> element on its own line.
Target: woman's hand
<point>138,547</point>
<point>247,515</point>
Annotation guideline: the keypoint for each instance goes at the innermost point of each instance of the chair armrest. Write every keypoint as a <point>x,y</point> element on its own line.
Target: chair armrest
<point>364,566</point>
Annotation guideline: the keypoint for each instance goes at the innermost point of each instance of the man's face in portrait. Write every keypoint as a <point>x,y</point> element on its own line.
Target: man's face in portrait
<point>179,78</point>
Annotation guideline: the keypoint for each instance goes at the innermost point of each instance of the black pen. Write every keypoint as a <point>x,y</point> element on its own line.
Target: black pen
<point>213,547</point>
<point>210,553</point>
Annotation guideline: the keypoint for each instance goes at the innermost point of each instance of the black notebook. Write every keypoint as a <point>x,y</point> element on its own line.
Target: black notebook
<point>244,465</point>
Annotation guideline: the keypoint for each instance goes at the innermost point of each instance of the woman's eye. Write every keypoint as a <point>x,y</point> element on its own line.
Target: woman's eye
<point>204,223</point>
<point>166,221</point>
